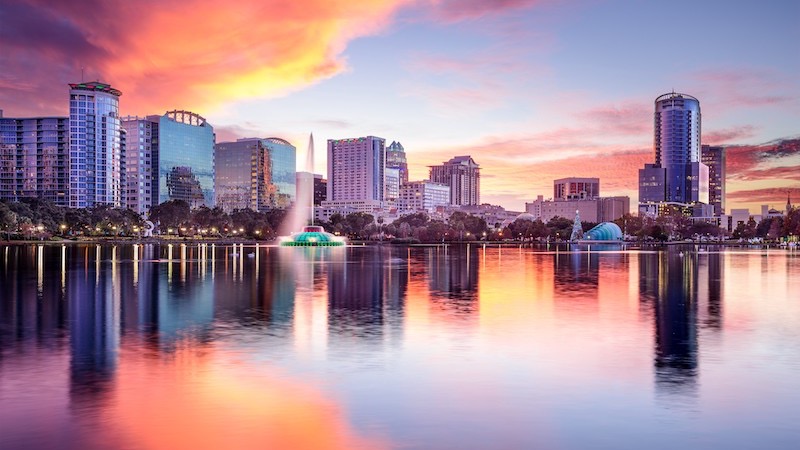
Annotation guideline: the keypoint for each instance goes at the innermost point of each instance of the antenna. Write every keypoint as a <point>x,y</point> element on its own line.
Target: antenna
<point>82,69</point>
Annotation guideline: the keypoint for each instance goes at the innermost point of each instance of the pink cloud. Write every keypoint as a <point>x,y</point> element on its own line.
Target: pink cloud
<point>457,10</point>
<point>718,137</point>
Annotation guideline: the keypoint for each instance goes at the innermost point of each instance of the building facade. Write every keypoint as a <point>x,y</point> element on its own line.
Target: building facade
<point>96,154</point>
<point>356,170</point>
<point>462,175</point>
<point>140,189</point>
<point>393,181</point>
<point>677,170</point>
<point>34,159</point>
<point>423,196</point>
<point>396,159</point>
<point>714,157</point>
<point>185,158</point>
<point>252,173</point>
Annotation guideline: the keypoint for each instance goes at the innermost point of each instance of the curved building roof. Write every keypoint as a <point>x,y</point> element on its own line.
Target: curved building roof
<point>606,231</point>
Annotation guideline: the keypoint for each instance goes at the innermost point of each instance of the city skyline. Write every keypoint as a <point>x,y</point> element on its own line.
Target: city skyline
<point>534,90</point>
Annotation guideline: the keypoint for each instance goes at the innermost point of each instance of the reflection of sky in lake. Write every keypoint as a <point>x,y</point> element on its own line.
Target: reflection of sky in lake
<point>375,347</point>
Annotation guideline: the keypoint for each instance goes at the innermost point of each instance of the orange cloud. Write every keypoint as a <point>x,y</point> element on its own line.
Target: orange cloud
<point>192,54</point>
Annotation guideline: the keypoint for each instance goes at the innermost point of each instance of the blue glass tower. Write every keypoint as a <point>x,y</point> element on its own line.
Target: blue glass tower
<point>95,149</point>
<point>185,159</point>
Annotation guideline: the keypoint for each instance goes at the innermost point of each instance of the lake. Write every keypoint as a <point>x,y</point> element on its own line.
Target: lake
<point>461,347</point>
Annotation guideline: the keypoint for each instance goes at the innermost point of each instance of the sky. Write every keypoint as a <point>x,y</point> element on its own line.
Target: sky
<point>533,90</point>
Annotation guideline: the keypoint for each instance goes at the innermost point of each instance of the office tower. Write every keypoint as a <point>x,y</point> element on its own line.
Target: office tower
<point>34,159</point>
<point>714,158</point>
<point>423,196</point>
<point>462,174</point>
<point>140,190</point>
<point>356,170</point>
<point>677,168</point>
<point>185,158</point>
<point>396,159</point>
<point>95,151</point>
<point>252,173</point>
<point>576,188</point>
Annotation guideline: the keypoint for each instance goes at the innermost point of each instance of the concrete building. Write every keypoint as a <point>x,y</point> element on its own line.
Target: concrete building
<point>462,174</point>
<point>677,170</point>
<point>252,173</point>
<point>423,196</point>
<point>34,159</point>
<point>576,188</point>
<point>392,177</point>
<point>320,186</point>
<point>714,158</point>
<point>96,155</point>
<point>140,182</point>
<point>356,174</point>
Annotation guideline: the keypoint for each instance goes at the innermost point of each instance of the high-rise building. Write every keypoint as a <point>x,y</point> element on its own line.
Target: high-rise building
<point>396,159</point>
<point>185,158</point>
<point>34,159</point>
<point>423,196</point>
<point>252,173</point>
<point>714,157</point>
<point>140,189</point>
<point>582,195</point>
<point>315,182</point>
<point>462,174</point>
<point>677,168</point>
<point>96,154</point>
<point>392,177</point>
<point>356,176</point>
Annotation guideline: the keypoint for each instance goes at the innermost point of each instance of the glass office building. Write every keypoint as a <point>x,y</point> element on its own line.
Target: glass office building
<point>95,149</point>
<point>185,159</point>
<point>34,159</point>
<point>255,173</point>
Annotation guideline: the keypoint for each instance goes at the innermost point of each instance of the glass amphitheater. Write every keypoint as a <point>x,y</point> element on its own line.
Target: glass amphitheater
<point>604,232</point>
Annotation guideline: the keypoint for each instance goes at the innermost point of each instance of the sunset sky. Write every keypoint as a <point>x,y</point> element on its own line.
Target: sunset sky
<point>532,89</point>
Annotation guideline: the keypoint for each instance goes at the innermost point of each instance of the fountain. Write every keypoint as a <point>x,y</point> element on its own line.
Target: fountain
<point>303,213</point>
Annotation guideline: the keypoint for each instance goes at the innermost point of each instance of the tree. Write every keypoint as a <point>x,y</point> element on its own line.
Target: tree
<point>171,214</point>
<point>8,220</point>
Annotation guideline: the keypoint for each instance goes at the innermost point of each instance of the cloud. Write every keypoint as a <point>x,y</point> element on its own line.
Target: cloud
<point>718,137</point>
<point>458,10</point>
<point>187,54</point>
<point>772,195</point>
<point>735,88</point>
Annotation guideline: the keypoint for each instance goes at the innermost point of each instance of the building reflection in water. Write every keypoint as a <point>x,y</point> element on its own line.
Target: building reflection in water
<point>453,281</point>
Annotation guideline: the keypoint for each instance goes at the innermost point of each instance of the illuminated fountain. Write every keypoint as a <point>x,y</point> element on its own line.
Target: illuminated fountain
<point>303,213</point>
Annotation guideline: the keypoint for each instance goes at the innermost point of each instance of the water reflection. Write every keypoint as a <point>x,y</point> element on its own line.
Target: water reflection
<point>152,346</point>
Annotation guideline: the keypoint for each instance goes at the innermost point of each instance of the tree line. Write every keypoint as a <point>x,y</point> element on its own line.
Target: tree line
<point>40,219</point>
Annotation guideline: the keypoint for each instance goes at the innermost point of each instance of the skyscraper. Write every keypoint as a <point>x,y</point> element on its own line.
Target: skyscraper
<point>356,170</point>
<point>677,168</point>
<point>95,150</point>
<point>252,173</point>
<point>396,159</point>
<point>714,158</point>
<point>462,174</point>
<point>185,158</point>
<point>34,159</point>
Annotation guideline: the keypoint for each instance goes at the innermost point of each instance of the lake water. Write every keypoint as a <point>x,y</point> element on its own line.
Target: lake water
<point>215,347</point>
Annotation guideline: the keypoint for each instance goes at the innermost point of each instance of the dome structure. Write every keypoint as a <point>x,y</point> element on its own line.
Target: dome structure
<point>526,216</point>
<point>313,237</point>
<point>606,231</point>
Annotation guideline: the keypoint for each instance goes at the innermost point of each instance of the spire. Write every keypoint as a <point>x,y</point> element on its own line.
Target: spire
<point>788,202</point>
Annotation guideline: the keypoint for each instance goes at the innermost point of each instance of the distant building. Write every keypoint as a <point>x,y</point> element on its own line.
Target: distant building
<point>392,177</point>
<point>396,159</point>
<point>677,170</point>
<point>320,186</point>
<point>252,173</point>
<point>34,159</point>
<point>356,174</point>
<point>185,152</point>
<point>96,155</point>
<point>423,196</point>
<point>714,158</point>
<point>462,174</point>
<point>140,181</point>
<point>581,195</point>
<point>576,188</point>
